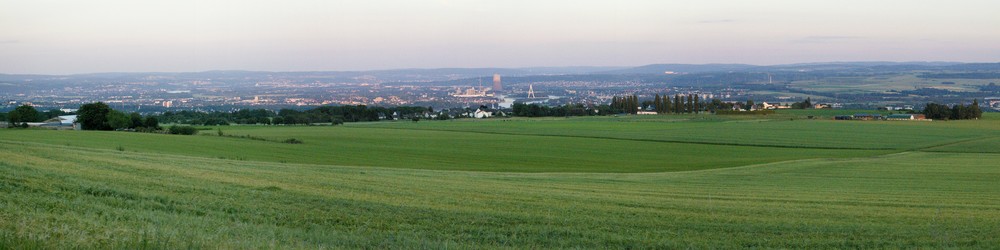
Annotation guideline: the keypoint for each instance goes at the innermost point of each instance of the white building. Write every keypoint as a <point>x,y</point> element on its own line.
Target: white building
<point>67,120</point>
<point>481,114</point>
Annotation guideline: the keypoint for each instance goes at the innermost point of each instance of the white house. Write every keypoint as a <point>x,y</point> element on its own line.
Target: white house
<point>481,114</point>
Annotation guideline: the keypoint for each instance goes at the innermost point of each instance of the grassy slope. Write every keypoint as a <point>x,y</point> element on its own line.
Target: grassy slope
<point>61,197</point>
<point>750,131</point>
<point>73,189</point>
<point>447,150</point>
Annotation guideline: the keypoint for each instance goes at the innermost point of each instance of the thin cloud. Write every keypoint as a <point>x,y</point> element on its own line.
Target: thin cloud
<point>826,39</point>
<point>11,41</point>
<point>718,21</point>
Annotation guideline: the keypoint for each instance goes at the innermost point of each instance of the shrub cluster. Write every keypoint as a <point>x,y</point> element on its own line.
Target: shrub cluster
<point>182,130</point>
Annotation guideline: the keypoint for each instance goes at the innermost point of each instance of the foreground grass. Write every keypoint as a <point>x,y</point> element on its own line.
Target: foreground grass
<point>71,197</point>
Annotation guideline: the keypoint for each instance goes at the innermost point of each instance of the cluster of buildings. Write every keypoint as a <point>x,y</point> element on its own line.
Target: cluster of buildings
<point>481,91</point>
<point>766,105</point>
<point>878,117</point>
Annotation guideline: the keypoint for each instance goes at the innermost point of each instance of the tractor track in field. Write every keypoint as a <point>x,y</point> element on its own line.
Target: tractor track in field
<point>930,148</point>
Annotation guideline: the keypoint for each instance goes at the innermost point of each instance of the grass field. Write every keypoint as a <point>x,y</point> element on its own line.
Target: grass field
<point>773,131</point>
<point>611,182</point>
<point>445,150</point>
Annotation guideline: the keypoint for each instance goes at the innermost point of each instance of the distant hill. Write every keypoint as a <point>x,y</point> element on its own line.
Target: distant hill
<point>820,66</point>
<point>974,67</point>
<point>682,68</point>
<point>465,74</point>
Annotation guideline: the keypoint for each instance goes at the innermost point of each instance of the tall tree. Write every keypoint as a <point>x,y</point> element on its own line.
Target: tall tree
<point>136,120</point>
<point>690,104</point>
<point>697,104</point>
<point>656,102</point>
<point>22,114</point>
<point>151,123</point>
<point>94,116</point>
<point>678,104</point>
<point>958,112</point>
<point>666,104</point>
<point>635,104</point>
<point>118,120</point>
<point>974,111</point>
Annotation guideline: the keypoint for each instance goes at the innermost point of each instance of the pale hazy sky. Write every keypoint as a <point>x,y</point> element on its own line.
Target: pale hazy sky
<point>71,36</point>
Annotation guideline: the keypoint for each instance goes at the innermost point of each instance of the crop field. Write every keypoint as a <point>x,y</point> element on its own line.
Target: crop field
<point>444,150</point>
<point>686,181</point>
<point>763,131</point>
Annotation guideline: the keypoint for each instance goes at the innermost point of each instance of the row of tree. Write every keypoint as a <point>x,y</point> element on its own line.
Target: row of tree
<point>957,112</point>
<point>807,104</point>
<point>681,104</point>
<point>91,116</point>
<point>626,104</point>
<point>324,114</point>
<point>99,116</point>
<point>536,110</point>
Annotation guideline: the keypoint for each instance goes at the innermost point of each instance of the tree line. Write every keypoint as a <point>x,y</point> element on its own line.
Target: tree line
<point>807,104</point>
<point>95,116</point>
<point>957,112</point>
<point>625,104</point>
<point>324,114</point>
<point>631,104</point>
<point>536,110</point>
<point>99,116</point>
<point>678,104</point>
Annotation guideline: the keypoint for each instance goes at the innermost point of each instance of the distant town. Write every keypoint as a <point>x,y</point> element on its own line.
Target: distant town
<point>889,86</point>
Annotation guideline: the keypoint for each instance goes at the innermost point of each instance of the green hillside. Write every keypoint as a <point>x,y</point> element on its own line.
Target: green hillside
<point>435,149</point>
<point>62,197</point>
<point>612,182</point>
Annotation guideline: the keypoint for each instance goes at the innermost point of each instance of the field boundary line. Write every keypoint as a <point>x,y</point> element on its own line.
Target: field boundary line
<point>926,149</point>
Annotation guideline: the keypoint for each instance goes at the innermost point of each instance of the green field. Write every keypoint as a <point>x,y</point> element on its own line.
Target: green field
<point>695,181</point>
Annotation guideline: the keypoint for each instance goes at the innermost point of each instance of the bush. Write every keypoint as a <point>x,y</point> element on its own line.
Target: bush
<point>146,130</point>
<point>293,141</point>
<point>182,130</point>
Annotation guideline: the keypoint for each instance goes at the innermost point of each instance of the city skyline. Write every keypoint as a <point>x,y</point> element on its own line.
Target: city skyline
<point>67,37</point>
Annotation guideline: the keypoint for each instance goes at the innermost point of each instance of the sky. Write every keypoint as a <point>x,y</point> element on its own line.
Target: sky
<point>71,36</point>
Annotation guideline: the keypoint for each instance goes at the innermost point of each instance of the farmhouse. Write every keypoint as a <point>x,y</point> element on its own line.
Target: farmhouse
<point>481,114</point>
<point>774,106</point>
<point>60,122</point>
<point>906,117</point>
<point>868,117</point>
